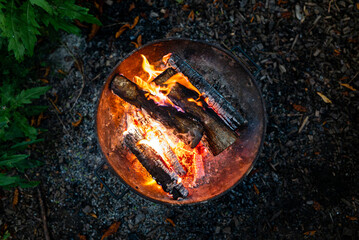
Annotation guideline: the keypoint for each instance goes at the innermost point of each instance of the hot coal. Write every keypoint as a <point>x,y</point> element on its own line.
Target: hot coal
<point>146,120</point>
<point>153,163</point>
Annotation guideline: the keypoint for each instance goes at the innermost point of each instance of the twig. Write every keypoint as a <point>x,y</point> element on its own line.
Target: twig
<point>43,215</point>
<point>303,124</point>
<point>62,123</point>
<point>81,69</point>
<point>353,77</point>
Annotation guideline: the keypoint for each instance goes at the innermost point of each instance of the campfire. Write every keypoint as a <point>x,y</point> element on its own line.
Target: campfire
<point>170,121</point>
<point>175,120</point>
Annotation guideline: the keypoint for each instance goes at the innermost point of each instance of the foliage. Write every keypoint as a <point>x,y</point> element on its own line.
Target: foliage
<point>21,21</point>
<point>16,133</point>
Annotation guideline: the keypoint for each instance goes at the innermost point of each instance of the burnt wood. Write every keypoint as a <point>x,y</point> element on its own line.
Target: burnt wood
<point>189,130</point>
<point>146,120</point>
<point>215,100</point>
<point>153,163</point>
<point>218,135</point>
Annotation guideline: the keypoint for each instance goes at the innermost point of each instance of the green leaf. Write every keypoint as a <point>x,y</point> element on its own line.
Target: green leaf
<point>13,160</point>
<point>28,34</point>
<point>43,4</point>
<point>26,96</point>
<point>13,181</point>
<point>29,184</point>
<point>23,124</point>
<point>8,180</point>
<point>25,144</point>
<point>34,110</point>
<point>30,163</point>
<point>6,235</point>
<point>4,121</point>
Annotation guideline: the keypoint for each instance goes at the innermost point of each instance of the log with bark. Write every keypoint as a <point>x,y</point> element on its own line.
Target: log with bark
<point>218,135</point>
<point>189,130</point>
<point>153,163</point>
<point>215,100</point>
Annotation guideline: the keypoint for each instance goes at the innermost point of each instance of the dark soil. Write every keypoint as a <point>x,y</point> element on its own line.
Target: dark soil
<point>307,174</point>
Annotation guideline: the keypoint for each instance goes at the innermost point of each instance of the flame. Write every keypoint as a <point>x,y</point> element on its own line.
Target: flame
<point>150,69</point>
<point>155,134</point>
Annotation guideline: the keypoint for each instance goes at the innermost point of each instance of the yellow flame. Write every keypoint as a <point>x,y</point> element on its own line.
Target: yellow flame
<point>150,69</point>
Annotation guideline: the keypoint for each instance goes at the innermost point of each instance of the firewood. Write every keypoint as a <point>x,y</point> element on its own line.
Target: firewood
<point>214,99</point>
<point>218,135</point>
<point>153,163</point>
<point>146,120</point>
<point>189,130</point>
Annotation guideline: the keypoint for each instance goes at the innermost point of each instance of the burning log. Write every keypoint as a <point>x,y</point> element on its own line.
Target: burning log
<point>214,99</point>
<point>218,135</point>
<point>166,148</point>
<point>188,130</point>
<point>153,163</point>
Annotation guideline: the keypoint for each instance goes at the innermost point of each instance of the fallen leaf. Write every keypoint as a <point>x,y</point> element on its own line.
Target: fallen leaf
<point>32,121</point>
<point>256,189</point>
<point>77,123</point>
<point>352,218</point>
<point>310,233</point>
<point>135,22</point>
<point>282,2</point>
<point>347,86</point>
<point>325,99</point>
<point>101,184</point>
<point>56,97</point>
<point>40,117</point>
<point>79,24</point>
<point>44,80</point>
<point>99,6</point>
<point>169,220</point>
<point>299,108</point>
<point>336,52</point>
<point>134,44</point>
<point>132,6</point>
<point>81,237</point>
<point>47,71</point>
<point>286,14</point>
<point>61,72</point>
<point>191,16</point>
<point>139,40</point>
<point>252,19</point>
<point>15,200</point>
<point>316,206</point>
<point>122,29</point>
<point>111,230</point>
<point>357,4</point>
<point>93,215</point>
<point>185,7</point>
<point>94,30</point>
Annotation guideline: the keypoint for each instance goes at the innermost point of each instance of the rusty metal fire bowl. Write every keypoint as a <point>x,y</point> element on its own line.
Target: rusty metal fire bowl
<point>223,171</point>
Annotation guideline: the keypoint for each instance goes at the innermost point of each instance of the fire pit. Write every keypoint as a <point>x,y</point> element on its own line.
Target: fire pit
<point>180,121</point>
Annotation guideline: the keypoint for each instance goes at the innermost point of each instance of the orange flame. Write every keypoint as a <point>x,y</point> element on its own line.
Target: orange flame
<point>155,134</point>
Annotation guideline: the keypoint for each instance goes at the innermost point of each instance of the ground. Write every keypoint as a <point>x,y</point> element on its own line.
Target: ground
<point>305,182</point>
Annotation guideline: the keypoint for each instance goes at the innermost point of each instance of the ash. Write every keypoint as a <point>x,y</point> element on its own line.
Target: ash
<point>306,179</point>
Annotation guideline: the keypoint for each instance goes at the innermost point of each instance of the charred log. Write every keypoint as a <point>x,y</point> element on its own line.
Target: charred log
<point>215,100</point>
<point>218,135</point>
<point>167,150</point>
<point>190,131</point>
<point>153,163</point>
